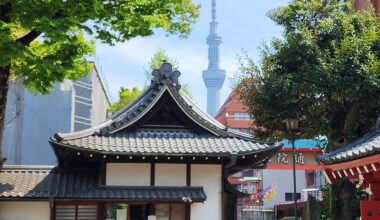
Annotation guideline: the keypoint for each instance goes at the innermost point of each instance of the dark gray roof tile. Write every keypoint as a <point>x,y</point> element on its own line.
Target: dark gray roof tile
<point>165,142</point>
<point>26,183</point>
<point>365,146</point>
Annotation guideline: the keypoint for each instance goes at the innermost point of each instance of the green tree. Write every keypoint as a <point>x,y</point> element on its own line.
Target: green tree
<point>126,96</point>
<point>42,41</point>
<point>325,71</point>
<point>155,62</point>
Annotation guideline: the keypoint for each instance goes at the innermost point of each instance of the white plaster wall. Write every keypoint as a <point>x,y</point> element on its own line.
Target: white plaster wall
<point>128,174</point>
<point>24,210</point>
<point>208,176</point>
<point>170,175</point>
<point>283,181</point>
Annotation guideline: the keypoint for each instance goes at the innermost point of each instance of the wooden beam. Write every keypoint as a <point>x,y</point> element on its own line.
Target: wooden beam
<point>345,173</point>
<point>352,172</point>
<point>340,175</point>
<point>366,169</point>
<point>353,163</point>
<point>188,183</point>
<point>374,167</point>
<point>152,174</point>
<point>327,176</point>
<point>188,174</point>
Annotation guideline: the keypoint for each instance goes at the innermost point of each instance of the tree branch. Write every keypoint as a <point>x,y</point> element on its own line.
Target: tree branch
<point>29,37</point>
<point>4,11</point>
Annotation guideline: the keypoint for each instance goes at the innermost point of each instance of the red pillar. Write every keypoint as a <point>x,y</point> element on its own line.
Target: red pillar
<point>376,5</point>
<point>375,190</point>
<point>360,4</point>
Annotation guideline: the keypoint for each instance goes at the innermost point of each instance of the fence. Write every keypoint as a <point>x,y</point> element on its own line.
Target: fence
<point>255,213</point>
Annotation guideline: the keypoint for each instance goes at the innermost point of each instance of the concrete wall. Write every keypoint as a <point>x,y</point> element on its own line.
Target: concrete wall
<point>32,119</point>
<point>128,174</point>
<point>208,176</point>
<point>170,175</point>
<point>24,210</point>
<point>100,102</point>
<point>282,180</point>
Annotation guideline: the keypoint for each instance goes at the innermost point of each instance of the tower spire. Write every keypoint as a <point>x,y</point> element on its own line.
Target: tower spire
<point>213,77</point>
<point>213,10</point>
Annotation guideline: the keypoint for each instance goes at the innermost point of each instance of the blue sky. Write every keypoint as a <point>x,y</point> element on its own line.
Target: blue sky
<point>243,24</point>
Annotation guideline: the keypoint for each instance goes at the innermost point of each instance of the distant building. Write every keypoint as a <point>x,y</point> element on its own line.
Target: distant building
<point>213,77</point>
<point>273,185</point>
<point>362,4</point>
<point>31,119</point>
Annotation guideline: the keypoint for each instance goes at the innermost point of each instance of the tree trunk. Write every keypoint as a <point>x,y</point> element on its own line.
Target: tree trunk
<point>5,72</point>
<point>346,194</point>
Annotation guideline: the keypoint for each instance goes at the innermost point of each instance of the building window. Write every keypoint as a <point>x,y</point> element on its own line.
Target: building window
<point>76,212</point>
<point>249,173</point>
<point>246,130</point>
<point>310,178</point>
<point>125,211</point>
<point>236,175</point>
<point>289,196</point>
<point>241,116</point>
<point>170,212</point>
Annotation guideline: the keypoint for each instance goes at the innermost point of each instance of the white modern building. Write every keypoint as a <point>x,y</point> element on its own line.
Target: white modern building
<point>31,119</point>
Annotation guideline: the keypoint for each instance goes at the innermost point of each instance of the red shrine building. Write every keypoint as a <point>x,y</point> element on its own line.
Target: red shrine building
<point>360,163</point>
<point>266,187</point>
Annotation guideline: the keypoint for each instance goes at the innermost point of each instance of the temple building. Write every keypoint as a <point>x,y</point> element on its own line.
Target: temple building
<point>160,157</point>
<point>214,76</point>
<point>360,163</point>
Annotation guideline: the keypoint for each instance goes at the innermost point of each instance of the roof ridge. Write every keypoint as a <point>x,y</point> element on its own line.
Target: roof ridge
<point>325,157</point>
<point>27,167</point>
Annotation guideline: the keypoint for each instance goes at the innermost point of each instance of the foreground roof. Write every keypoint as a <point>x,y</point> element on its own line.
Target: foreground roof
<point>363,147</point>
<point>168,142</point>
<point>161,121</point>
<point>43,183</point>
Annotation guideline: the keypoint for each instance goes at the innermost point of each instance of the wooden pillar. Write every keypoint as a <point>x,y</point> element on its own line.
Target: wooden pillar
<point>363,4</point>
<point>188,183</point>
<point>376,5</point>
<point>101,211</point>
<point>375,190</point>
<point>360,4</point>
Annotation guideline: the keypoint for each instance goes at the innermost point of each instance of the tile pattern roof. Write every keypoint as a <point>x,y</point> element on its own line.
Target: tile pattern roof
<point>159,142</point>
<point>365,146</point>
<point>114,135</point>
<point>45,183</point>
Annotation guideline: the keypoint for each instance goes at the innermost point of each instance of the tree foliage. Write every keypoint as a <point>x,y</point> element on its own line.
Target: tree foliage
<point>126,96</point>
<point>325,213</point>
<point>155,63</point>
<point>325,71</point>
<point>43,40</point>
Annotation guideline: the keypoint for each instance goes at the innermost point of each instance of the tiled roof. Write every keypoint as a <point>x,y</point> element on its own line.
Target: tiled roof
<point>28,183</point>
<point>160,142</point>
<point>123,134</point>
<point>365,146</point>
